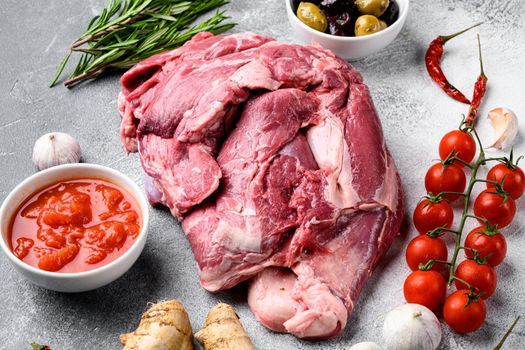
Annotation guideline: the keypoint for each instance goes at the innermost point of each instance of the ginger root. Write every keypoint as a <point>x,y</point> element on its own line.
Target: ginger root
<point>223,331</point>
<point>165,326</point>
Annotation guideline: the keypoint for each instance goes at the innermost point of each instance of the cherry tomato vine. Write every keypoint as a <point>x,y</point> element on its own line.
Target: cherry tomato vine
<point>474,278</point>
<point>485,247</point>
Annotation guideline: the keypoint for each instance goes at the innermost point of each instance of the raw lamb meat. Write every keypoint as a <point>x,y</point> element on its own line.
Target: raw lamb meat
<point>272,156</point>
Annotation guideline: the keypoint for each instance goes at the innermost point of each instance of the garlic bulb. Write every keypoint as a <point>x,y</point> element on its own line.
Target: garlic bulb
<point>55,148</point>
<point>505,124</point>
<point>367,345</point>
<point>411,327</point>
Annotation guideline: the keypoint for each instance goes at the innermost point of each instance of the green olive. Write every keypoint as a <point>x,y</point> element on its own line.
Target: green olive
<point>367,24</point>
<point>312,16</point>
<point>383,24</point>
<point>372,7</point>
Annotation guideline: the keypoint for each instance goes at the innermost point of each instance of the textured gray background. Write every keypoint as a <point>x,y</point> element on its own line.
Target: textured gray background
<point>34,36</point>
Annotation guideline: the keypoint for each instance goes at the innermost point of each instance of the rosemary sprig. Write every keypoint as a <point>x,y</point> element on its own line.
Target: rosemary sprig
<point>128,31</point>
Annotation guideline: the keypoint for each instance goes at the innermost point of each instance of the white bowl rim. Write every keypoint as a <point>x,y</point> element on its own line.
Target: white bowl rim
<point>392,27</point>
<point>137,193</point>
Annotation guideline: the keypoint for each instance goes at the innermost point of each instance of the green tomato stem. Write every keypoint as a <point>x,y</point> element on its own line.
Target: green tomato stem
<point>428,265</point>
<point>465,215</point>
<point>450,192</point>
<point>472,181</point>
<point>499,159</point>
<point>464,282</point>
<point>439,231</point>
<point>485,221</point>
<point>489,181</point>
<point>468,193</point>
<point>456,159</point>
<point>474,251</point>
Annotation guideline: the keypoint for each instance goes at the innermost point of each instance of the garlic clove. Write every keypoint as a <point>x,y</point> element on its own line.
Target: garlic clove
<point>505,124</point>
<point>367,345</point>
<point>411,327</point>
<point>55,148</point>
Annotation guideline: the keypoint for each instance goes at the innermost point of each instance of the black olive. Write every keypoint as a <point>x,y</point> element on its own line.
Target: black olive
<point>341,25</point>
<point>336,7</point>
<point>391,14</point>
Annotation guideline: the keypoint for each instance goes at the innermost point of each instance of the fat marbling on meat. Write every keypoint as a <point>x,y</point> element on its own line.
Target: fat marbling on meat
<point>272,156</point>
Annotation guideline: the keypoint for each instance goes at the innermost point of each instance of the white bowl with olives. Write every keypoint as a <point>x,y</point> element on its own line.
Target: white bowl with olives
<point>352,29</point>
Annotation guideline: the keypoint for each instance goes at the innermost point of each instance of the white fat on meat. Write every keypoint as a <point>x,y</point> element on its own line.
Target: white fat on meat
<point>387,194</point>
<point>326,140</point>
<point>244,237</point>
<point>304,307</point>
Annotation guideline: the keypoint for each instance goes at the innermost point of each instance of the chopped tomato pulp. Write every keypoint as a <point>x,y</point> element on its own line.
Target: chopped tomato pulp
<point>75,226</point>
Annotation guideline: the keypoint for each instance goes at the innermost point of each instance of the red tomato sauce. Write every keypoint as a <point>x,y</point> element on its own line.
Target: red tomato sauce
<point>74,226</point>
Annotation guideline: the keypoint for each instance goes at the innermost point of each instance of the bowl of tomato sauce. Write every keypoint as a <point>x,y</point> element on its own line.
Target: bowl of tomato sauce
<point>74,227</point>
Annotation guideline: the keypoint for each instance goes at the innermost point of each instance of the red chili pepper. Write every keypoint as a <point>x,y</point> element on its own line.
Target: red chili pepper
<point>479,91</point>
<point>433,63</point>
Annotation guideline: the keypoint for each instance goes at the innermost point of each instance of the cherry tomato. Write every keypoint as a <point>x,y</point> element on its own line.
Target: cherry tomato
<point>514,179</point>
<point>495,208</point>
<point>461,317</point>
<point>480,276</point>
<point>490,247</point>
<point>430,215</point>
<point>448,178</point>
<point>427,288</point>
<point>423,248</point>
<point>461,143</point>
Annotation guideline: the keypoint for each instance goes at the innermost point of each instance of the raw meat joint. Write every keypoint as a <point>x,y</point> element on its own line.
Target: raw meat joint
<point>272,156</point>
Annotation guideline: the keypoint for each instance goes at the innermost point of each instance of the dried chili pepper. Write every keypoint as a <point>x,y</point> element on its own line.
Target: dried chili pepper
<point>433,63</point>
<point>479,91</point>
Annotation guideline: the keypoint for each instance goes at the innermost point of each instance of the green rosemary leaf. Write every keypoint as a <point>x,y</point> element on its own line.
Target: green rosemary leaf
<point>164,17</point>
<point>60,69</point>
<point>111,55</point>
<point>179,8</point>
<point>153,37</point>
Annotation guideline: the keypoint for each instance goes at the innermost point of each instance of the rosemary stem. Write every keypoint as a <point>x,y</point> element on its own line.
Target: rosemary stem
<point>114,27</point>
<point>81,77</point>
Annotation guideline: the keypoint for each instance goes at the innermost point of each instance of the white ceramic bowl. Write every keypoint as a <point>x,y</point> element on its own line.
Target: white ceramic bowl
<point>80,281</point>
<point>349,47</point>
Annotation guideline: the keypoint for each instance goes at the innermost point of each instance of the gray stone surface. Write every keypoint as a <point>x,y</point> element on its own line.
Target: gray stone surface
<point>35,34</point>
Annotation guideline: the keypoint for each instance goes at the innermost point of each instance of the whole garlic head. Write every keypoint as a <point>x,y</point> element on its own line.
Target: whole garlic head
<point>505,124</point>
<point>55,148</point>
<point>367,345</point>
<point>411,327</point>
